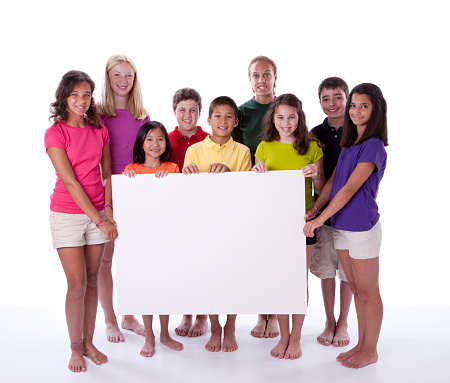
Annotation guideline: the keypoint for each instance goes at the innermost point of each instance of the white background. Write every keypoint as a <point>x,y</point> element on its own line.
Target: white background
<point>402,46</point>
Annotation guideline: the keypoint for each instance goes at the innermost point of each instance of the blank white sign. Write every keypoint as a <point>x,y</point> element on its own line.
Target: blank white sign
<point>228,243</point>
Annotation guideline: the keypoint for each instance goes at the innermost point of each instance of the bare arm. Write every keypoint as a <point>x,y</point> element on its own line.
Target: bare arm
<point>361,173</point>
<point>64,169</point>
<point>315,171</point>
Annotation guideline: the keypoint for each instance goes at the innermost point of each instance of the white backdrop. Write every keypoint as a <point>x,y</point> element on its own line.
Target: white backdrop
<point>399,45</point>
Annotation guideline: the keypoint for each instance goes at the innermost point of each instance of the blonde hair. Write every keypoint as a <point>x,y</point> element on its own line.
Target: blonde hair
<point>135,106</point>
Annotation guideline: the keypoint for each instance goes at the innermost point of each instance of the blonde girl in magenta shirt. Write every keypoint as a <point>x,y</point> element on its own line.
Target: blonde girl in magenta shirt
<point>80,220</point>
<point>151,153</point>
<point>122,112</point>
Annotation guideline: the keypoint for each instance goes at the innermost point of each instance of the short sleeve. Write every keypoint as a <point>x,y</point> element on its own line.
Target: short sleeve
<point>105,135</point>
<point>54,138</point>
<point>189,157</point>
<point>373,151</point>
<point>259,155</point>
<point>317,152</point>
<point>246,164</point>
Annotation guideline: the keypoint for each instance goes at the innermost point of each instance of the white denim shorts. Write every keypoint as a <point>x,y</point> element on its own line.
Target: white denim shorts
<point>73,230</point>
<point>325,262</point>
<point>360,244</point>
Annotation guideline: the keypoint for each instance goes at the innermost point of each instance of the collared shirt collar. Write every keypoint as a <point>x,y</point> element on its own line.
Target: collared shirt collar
<point>178,136</point>
<point>231,144</point>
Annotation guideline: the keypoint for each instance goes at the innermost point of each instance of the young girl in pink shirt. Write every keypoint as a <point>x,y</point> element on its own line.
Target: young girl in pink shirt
<point>123,113</point>
<point>80,218</point>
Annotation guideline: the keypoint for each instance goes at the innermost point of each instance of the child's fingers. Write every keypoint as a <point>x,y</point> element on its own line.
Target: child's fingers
<point>190,169</point>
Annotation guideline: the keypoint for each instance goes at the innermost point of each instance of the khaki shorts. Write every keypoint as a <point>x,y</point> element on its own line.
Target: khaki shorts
<point>360,244</point>
<point>73,230</point>
<point>325,262</point>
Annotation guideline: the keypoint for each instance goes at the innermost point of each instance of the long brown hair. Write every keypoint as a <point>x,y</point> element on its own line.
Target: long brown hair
<point>301,134</point>
<point>58,108</point>
<point>377,124</point>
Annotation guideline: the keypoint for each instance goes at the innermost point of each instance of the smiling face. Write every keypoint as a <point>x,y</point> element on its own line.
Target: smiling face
<point>333,104</point>
<point>222,121</point>
<point>79,101</point>
<point>360,110</point>
<point>154,144</point>
<point>121,78</point>
<point>262,78</point>
<point>187,114</point>
<point>285,120</point>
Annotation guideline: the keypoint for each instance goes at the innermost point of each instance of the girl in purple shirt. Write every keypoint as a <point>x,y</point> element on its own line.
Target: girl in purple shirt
<point>123,113</point>
<point>352,191</point>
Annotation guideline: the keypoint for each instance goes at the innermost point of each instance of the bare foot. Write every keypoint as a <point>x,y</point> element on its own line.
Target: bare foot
<point>341,337</point>
<point>129,322</point>
<point>348,354</point>
<point>76,362</point>
<point>361,359</point>
<point>294,350</point>
<point>199,327</point>
<point>113,333</point>
<point>214,343</point>
<point>166,340</point>
<point>260,328</point>
<point>326,338</point>
<point>149,347</point>
<point>280,349</point>
<point>184,326</point>
<point>229,340</point>
<point>96,356</point>
<point>272,328</point>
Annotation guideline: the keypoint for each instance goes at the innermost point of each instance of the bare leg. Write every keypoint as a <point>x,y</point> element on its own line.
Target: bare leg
<point>149,346</point>
<point>272,328</point>
<point>93,257</point>
<point>260,328</point>
<point>229,334</point>
<point>214,343</point>
<point>105,294</point>
<point>81,265</point>
<point>294,350</point>
<point>341,336</point>
<point>72,260</point>
<point>184,326</point>
<point>280,349</point>
<point>165,338</point>
<point>369,308</point>
<point>328,294</point>
<point>129,322</point>
<point>199,327</point>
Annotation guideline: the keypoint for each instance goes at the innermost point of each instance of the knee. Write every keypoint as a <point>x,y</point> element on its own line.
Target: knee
<point>77,290</point>
<point>106,261</point>
<point>92,280</point>
<point>368,294</point>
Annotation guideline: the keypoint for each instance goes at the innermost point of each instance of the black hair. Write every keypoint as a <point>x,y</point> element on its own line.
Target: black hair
<point>223,100</point>
<point>138,152</point>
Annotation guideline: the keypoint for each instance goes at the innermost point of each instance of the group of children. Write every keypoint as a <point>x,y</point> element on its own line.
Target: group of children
<point>267,133</point>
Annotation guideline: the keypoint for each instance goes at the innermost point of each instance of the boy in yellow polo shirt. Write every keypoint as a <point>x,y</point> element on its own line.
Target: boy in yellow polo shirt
<point>219,153</point>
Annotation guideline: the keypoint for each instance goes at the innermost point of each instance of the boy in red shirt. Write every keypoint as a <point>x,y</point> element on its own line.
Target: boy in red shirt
<point>187,105</point>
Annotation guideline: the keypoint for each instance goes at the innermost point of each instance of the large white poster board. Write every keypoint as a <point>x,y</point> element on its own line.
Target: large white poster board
<point>227,243</point>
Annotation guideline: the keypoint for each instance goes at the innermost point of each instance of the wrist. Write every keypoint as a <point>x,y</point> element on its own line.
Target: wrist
<point>109,205</point>
<point>98,224</point>
<point>317,178</point>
